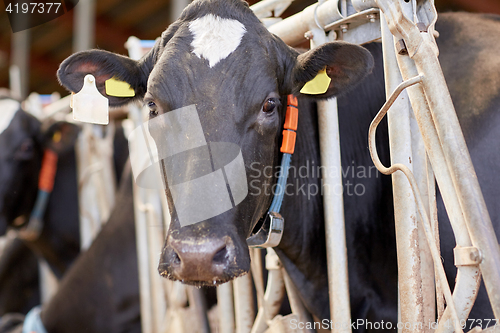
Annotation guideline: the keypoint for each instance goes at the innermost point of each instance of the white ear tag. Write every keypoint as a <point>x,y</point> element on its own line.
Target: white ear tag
<point>89,106</point>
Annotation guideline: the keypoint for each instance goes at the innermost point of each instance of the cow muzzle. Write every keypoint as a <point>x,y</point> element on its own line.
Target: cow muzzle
<point>203,261</point>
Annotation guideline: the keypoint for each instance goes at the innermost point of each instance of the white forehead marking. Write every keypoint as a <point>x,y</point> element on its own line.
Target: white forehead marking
<point>215,38</point>
<point>8,109</point>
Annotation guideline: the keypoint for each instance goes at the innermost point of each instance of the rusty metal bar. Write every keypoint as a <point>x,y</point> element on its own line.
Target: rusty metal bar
<point>464,177</point>
<point>405,215</point>
<point>420,170</point>
<point>468,277</point>
<point>421,208</point>
<point>243,303</point>
<point>433,216</point>
<point>423,52</point>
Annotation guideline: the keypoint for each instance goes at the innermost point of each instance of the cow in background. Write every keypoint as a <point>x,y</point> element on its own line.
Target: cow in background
<point>100,292</point>
<point>23,139</point>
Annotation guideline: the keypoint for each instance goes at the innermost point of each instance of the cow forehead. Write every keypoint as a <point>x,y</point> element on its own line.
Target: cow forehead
<point>215,38</point>
<point>8,109</point>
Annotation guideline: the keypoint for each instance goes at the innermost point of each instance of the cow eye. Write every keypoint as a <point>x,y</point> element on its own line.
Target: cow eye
<point>270,105</point>
<point>153,112</point>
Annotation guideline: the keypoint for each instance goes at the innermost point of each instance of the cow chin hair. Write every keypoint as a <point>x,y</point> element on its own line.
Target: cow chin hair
<point>199,284</point>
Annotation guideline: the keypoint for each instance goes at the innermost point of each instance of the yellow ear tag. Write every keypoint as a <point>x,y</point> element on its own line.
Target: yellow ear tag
<point>318,85</point>
<point>57,137</point>
<point>118,88</point>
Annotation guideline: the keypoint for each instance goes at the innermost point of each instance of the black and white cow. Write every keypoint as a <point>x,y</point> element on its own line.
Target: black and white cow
<point>221,59</point>
<point>23,139</point>
<point>100,291</point>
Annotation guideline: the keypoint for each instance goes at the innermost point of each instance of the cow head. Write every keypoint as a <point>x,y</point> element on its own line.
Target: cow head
<point>218,70</point>
<point>23,139</point>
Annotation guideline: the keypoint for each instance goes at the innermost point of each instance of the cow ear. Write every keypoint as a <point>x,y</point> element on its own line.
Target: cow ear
<point>104,65</point>
<point>60,136</point>
<point>345,64</point>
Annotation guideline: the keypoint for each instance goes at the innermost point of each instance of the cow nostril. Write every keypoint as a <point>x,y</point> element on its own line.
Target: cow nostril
<point>176,259</point>
<point>220,256</point>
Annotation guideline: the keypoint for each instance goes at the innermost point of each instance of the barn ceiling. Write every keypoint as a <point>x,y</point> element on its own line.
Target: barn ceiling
<point>116,20</point>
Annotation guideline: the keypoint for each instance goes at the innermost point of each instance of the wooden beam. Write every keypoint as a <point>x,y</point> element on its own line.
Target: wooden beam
<point>139,12</point>
<point>479,6</point>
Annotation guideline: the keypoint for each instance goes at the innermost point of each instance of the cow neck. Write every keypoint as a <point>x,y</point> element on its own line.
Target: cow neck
<point>271,231</point>
<point>33,229</point>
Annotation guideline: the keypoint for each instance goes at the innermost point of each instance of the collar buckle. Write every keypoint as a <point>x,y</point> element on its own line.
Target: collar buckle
<point>269,235</point>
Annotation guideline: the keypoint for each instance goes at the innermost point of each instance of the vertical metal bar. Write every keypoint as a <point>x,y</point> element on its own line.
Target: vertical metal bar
<point>151,221</point>
<point>176,8</point>
<point>338,281</point>
<point>197,303</point>
<point>257,268</point>
<point>433,216</point>
<point>154,227</point>
<point>464,177</point>
<point>467,283</point>
<point>423,51</point>
<point>275,292</point>
<point>84,24</point>
<point>243,303</point>
<point>333,201</point>
<point>19,72</point>
<point>419,163</point>
<point>405,214</point>
<point>225,307</point>
<point>418,200</point>
<point>147,323</point>
<point>48,281</point>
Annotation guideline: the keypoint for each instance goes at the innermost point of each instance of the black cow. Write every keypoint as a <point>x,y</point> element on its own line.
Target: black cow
<point>100,293</point>
<point>19,279</point>
<point>238,76</point>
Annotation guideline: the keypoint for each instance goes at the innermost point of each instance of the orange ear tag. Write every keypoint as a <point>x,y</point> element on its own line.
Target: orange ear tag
<point>318,85</point>
<point>89,106</point>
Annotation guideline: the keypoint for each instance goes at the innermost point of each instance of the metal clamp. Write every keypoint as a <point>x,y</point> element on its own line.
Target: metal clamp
<point>467,256</point>
<point>270,233</point>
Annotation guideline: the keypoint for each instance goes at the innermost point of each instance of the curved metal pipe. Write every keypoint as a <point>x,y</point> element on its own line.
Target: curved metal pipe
<point>421,209</point>
<point>468,277</point>
<point>275,292</point>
